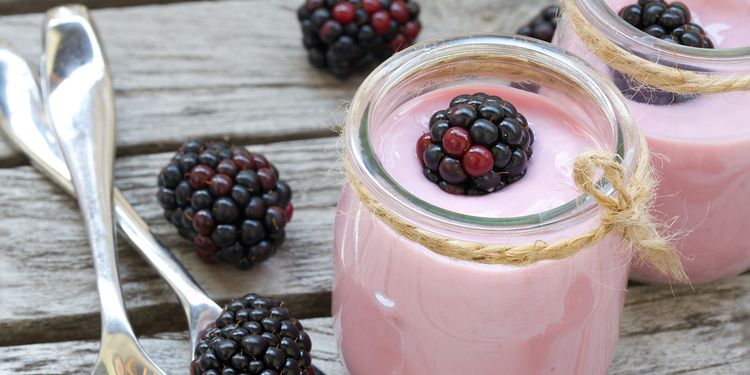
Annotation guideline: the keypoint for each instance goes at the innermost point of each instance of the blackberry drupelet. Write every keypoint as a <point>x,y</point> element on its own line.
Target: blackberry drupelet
<point>343,36</point>
<point>543,25</point>
<point>254,335</point>
<point>227,200</point>
<point>479,145</point>
<point>668,21</point>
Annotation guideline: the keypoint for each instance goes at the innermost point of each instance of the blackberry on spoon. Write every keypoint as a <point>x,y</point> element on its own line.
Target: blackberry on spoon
<point>479,145</point>
<point>228,201</point>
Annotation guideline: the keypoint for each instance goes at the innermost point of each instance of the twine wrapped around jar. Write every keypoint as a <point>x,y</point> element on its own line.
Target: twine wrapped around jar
<point>670,79</point>
<point>627,214</point>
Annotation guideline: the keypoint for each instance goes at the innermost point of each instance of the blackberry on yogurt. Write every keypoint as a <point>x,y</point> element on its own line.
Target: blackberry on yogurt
<point>229,201</point>
<point>479,145</point>
<point>343,36</point>
<point>669,21</point>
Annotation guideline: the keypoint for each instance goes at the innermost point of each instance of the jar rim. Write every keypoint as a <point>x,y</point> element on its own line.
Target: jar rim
<point>606,21</point>
<point>367,167</point>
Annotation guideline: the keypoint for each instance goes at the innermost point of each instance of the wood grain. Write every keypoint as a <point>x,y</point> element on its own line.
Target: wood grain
<point>171,351</point>
<point>48,285</point>
<point>236,70</point>
<point>701,332</point>
<point>231,68</point>
<point>31,6</point>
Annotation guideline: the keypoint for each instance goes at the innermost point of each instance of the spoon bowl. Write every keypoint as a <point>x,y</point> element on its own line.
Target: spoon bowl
<point>25,124</point>
<point>78,91</point>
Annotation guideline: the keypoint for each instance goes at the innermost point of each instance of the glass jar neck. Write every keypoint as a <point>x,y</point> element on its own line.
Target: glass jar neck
<point>613,27</point>
<point>430,65</point>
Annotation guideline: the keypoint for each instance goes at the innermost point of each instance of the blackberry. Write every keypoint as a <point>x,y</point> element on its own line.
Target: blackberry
<point>227,200</point>
<point>543,25</point>
<point>479,145</point>
<point>636,91</point>
<point>667,21</point>
<point>254,335</point>
<point>343,36</point>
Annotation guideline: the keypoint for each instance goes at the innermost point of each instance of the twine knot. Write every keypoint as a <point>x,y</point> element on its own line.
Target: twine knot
<point>625,213</point>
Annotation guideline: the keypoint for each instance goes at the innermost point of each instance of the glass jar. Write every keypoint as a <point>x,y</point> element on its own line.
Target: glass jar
<point>400,308</point>
<point>699,142</point>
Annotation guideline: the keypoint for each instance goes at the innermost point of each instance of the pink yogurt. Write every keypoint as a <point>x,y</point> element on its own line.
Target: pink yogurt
<point>558,141</point>
<point>700,150</point>
<point>401,309</point>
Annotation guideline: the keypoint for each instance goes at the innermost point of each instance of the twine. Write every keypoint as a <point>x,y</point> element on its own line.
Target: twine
<point>666,78</point>
<point>627,215</point>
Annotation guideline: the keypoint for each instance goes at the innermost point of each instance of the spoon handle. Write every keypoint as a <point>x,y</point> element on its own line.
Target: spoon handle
<point>199,308</point>
<point>24,122</point>
<point>78,91</point>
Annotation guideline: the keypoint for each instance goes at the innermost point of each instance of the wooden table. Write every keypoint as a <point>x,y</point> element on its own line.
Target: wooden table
<point>225,69</point>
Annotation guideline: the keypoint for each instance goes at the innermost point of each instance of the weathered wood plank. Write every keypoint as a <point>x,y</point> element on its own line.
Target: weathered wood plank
<point>171,351</point>
<point>703,332</point>
<point>706,331</point>
<point>31,6</point>
<point>8,7</point>
<point>231,68</point>
<point>48,285</point>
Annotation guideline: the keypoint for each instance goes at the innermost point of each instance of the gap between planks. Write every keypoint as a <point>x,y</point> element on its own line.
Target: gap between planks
<point>203,69</point>
<point>56,267</point>
<point>9,7</point>
<point>684,351</point>
<point>658,326</point>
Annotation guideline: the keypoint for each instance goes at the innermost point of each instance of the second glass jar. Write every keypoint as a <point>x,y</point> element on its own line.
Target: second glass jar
<point>699,142</point>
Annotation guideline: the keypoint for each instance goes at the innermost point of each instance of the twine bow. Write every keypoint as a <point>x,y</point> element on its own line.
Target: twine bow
<point>670,79</point>
<point>625,213</point>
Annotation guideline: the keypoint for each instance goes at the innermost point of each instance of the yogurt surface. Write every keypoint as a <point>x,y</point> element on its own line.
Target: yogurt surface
<point>548,183</point>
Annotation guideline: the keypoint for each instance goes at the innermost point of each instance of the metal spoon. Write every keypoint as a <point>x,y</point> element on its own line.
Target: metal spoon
<point>78,90</point>
<point>24,122</point>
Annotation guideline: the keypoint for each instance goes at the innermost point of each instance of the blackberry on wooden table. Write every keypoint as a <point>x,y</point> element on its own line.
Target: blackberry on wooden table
<point>479,145</point>
<point>543,25</point>
<point>254,335</point>
<point>229,201</point>
<point>343,36</point>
